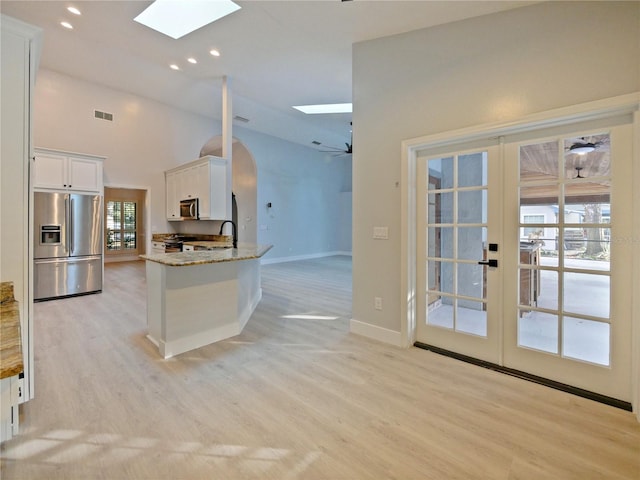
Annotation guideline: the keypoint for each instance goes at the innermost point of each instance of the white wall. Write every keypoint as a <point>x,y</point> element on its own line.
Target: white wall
<point>493,68</point>
<point>146,138</point>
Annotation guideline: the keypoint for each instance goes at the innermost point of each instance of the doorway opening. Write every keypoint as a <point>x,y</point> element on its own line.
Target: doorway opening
<point>124,224</point>
<point>557,316</point>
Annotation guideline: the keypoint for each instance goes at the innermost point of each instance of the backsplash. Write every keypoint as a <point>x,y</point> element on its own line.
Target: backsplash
<point>159,237</point>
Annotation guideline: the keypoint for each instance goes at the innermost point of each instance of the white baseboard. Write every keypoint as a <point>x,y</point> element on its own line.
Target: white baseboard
<point>376,333</point>
<point>294,258</point>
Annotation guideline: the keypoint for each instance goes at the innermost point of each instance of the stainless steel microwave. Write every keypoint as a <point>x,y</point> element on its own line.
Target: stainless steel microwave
<point>189,209</point>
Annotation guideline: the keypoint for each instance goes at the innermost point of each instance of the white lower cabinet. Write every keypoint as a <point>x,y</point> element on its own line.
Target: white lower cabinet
<point>9,398</point>
<point>157,247</point>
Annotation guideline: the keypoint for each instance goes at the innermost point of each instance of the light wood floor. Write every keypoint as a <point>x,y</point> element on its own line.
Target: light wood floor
<point>295,396</point>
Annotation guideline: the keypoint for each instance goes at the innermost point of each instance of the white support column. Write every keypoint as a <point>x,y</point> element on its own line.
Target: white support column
<point>227,118</point>
<point>227,135</point>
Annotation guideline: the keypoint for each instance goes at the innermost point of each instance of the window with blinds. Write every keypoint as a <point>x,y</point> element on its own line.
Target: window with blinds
<point>121,226</point>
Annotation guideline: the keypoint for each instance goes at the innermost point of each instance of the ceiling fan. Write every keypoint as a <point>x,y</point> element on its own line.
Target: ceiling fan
<point>341,151</point>
<point>582,146</point>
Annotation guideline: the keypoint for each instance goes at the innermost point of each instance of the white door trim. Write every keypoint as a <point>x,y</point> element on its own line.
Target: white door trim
<point>625,105</point>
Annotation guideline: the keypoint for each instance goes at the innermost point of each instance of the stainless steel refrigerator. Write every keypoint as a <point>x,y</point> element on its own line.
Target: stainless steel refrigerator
<point>67,244</point>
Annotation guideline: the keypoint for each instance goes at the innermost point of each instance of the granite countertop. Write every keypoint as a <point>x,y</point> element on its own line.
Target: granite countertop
<point>10,342</point>
<point>200,257</point>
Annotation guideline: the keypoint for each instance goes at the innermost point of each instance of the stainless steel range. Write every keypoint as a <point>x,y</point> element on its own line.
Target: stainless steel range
<point>174,243</point>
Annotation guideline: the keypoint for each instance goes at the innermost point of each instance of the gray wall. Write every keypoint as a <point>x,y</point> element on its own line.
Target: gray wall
<point>146,138</point>
<point>304,188</point>
<point>494,68</point>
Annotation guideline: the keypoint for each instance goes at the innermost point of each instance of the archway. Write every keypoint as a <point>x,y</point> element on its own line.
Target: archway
<point>244,185</point>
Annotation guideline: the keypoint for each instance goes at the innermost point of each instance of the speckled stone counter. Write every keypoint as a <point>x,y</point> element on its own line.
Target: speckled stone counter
<point>10,342</point>
<point>11,363</point>
<point>199,257</point>
<point>198,298</point>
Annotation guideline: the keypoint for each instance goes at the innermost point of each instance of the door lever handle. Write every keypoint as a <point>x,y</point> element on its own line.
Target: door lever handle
<point>491,262</point>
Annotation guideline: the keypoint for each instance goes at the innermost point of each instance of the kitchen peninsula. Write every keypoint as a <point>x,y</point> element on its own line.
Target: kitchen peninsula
<point>195,298</point>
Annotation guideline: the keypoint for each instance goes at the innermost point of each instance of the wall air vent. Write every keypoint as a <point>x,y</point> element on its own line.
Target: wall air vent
<point>241,119</point>
<point>103,115</point>
<point>315,142</point>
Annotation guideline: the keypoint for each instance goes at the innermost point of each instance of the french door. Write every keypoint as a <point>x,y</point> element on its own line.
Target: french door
<point>123,222</point>
<point>459,238</point>
<point>523,255</point>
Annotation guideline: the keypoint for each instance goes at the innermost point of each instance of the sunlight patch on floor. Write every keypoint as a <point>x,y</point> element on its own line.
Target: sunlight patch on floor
<point>58,447</point>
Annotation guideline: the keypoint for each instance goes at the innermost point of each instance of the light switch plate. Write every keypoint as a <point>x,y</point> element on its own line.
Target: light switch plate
<point>377,303</point>
<point>381,233</point>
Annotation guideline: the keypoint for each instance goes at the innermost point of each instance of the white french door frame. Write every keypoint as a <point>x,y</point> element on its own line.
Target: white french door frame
<point>483,347</point>
<point>624,108</point>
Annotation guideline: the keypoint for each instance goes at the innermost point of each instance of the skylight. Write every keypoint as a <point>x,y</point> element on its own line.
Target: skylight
<point>326,108</point>
<point>177,18</point>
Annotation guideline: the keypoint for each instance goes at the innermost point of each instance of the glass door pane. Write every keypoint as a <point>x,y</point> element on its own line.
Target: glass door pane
<point>114,225</point>
<point>121,227</point>
<point>130,226</point>
<point>564,251</point>
<point>568,289</point>
<point>455,233</point>
<point>456,223</point>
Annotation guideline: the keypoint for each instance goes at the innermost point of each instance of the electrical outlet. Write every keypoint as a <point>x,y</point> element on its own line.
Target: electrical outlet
<point>377,303</point>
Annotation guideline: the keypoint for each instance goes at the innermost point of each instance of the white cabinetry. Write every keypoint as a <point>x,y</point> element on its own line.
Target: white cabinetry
<point>157,247</point>
<point>190,183</point>
<point>173,195</point>
<point>64,171</point>
<point>209,180</point>
<point>9,399</point>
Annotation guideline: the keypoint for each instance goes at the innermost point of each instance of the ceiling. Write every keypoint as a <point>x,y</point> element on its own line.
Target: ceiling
<point>585,175</point>
<point>276,54</point>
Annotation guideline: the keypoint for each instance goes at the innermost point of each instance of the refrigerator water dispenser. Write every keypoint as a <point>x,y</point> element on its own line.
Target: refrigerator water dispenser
<point>50,234</point>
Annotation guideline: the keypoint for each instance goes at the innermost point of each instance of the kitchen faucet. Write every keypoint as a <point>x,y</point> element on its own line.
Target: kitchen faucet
<point>234,231</point>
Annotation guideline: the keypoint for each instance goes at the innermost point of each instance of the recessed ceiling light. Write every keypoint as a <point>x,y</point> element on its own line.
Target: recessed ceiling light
<point>67,25</point>
<point>74,10</point>
<point>192,60</point>
<point>326,108</point>
<point>173,66</point>
<point>214,52</point>
<point>178,18</point>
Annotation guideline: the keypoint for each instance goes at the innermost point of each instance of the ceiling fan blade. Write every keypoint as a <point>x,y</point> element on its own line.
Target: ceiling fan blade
<point>333,149</point>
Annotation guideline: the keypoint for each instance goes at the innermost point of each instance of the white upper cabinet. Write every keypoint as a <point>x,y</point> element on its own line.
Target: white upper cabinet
<point>217,204</point>
<point>173,195</point>
<point>209,180</point>
<point>63,171</point>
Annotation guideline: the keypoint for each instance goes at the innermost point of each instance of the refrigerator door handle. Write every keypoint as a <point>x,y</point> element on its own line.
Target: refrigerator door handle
<point>70,217</point>
<point>67,210</point>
